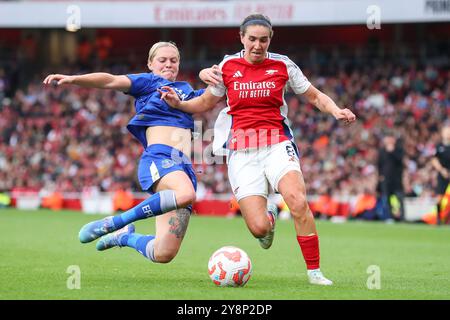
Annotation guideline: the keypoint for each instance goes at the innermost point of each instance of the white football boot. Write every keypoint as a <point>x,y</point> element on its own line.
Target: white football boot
<point>272,212</point>
<point>316,277</point>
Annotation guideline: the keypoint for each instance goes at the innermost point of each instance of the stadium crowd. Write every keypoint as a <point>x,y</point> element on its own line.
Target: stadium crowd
<point>71,139</point>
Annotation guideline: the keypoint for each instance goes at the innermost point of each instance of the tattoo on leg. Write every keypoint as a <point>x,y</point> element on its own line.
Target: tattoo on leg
<point>178,224</point>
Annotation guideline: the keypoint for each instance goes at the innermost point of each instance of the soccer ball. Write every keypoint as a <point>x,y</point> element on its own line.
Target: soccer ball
<point>230,267</point>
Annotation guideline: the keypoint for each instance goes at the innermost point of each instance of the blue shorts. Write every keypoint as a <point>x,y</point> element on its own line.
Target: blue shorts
<point>159,160</point>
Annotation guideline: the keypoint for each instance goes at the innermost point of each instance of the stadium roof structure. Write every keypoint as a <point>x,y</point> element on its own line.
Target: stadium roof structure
<point>159,14</point>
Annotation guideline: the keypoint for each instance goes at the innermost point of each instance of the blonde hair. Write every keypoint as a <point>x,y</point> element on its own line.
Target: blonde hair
<point>156,46</point>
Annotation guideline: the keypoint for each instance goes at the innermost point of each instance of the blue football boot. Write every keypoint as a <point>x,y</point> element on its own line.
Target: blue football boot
<point>114,239</point>
<point>94,230</point>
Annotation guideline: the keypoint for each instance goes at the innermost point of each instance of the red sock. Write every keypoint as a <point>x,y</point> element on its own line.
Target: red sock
<point>310,250</point>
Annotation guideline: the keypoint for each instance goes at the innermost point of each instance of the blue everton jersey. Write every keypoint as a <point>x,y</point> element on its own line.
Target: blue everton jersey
<point>151,110</point>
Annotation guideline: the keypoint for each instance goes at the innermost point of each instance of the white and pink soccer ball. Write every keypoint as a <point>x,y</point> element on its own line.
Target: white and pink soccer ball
<point>230,267</point>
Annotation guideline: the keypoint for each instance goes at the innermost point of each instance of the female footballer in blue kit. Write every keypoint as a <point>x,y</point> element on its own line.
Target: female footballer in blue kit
<point>165,170</point>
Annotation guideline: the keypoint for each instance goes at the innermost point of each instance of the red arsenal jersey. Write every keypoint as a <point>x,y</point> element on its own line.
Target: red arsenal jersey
<point>257,111</point>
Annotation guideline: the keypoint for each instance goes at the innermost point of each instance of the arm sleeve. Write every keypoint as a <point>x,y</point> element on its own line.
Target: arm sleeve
<point>218,90</point>
<point>141,83</point>
<point>297,80</point>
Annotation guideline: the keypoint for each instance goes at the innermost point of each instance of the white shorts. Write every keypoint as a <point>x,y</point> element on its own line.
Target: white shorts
<point>251,170</point>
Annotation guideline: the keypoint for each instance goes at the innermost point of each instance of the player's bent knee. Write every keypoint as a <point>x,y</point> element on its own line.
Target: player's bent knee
<point>260,229</point>
<point>185,198</point>
<point>165,256</point>
<point>298,205</point>
<point>300,218</point>
<point>300,208</point>
<point>165,259</point>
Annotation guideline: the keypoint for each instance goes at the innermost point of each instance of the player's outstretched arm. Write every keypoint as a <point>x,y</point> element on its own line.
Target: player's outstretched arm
<point>325,104</point>
<point>100,80</point>
<point>202,103</point>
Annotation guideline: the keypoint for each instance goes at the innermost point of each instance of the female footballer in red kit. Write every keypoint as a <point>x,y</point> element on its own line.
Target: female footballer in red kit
<point>254,131</point>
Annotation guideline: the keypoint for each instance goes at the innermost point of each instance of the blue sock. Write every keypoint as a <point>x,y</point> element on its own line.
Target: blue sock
<point>140,243</point>
<point>158,203</point>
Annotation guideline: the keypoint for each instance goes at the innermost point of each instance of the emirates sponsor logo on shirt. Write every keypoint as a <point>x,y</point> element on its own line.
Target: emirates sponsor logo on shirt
<point>250,85</point>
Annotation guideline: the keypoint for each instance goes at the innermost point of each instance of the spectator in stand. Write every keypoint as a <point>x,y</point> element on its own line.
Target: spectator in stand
<point>3,84</point>
<point>103,45</point>
<point>84,52</point>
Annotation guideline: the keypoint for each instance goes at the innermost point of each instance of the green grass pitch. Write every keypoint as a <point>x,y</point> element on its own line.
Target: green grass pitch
<point>38,247</point>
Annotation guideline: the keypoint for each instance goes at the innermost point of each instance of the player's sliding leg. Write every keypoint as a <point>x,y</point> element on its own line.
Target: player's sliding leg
<point>118,238</point>
<point>260,218</point>
<point>170,230</point>
<point>292,188</point>
<point>180,194</point>
<point>156,204</point>
<point>170,227</point>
